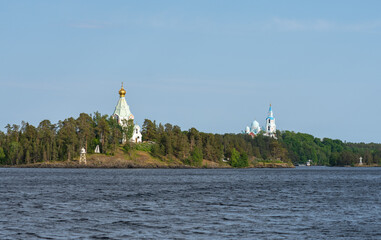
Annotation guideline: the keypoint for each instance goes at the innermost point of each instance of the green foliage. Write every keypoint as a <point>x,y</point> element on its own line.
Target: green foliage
<point>63,141</point>
<point>289,148</point>
<point>239,160</point>
<point>2,156</point>
<point>303,147</point>
<point>157,150</point>
<point>149,130</point>
<point>128,128</point>
<point>146,147</point>
<point>234,158</point>
<point>243,160</point>
<point>196,157</point>
<point>127,147</point>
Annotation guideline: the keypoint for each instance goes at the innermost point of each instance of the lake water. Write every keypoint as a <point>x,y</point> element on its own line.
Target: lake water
<point>300,203</point>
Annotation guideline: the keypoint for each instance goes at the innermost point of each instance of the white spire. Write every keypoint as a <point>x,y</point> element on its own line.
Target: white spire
<point>271,114</point>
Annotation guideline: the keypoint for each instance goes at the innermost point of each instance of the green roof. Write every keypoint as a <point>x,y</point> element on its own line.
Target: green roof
<point>122,109</point>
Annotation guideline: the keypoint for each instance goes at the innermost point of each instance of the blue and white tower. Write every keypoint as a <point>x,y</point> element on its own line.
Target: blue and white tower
<point>270,124</point>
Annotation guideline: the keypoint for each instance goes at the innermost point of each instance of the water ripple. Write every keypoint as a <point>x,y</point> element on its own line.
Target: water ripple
<point>314,203</point>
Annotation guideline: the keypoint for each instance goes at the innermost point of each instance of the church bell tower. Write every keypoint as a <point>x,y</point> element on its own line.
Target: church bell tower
<point>270,124</point>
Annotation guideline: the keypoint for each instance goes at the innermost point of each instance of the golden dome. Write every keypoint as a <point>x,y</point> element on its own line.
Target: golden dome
<point>122,92</point>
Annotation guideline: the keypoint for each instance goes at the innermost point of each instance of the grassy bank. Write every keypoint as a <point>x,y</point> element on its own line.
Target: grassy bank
<point>134,159</point>
<point>138,159</point>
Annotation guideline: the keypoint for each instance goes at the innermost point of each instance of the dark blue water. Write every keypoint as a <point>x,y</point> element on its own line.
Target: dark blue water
<point>301,203</point>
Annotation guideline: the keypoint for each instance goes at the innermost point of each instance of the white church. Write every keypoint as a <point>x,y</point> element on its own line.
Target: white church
<point>122,113</point>
<point>270,129</point>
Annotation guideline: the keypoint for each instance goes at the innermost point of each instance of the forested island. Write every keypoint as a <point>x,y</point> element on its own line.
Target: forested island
<point>58,145</point>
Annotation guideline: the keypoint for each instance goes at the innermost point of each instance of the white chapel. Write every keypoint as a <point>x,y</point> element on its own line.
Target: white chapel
<point>122,113</point>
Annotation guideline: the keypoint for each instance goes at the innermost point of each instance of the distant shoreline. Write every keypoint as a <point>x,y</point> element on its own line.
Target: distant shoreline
<point>139,160</point>
<point>142,160</point>
<point>75,165</point>
<point>131,166</point>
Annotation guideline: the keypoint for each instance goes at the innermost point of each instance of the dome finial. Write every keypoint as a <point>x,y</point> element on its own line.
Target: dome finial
<point>122,92</point>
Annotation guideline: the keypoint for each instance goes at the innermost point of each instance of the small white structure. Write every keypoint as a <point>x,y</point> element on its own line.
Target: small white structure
<point>270,124</point>
<point>122,113</point>
<point>137,135</point>
<point>82,157</point>
<point>97,150</point>
<point>360,163</point>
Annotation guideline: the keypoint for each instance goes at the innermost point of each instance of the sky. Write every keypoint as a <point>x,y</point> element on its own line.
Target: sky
<point>213,65</point>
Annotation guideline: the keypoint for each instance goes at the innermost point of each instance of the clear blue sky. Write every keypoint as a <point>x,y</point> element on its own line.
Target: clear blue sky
<point>213,65</point>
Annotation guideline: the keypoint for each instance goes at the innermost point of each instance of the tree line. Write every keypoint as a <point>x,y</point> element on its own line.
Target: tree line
<point>62,141</point>
<point>290,147</point>
<point>192,146</point>
<point>329,152</point>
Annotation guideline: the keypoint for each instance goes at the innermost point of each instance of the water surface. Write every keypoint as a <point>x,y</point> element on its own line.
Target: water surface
<point>300,203</point>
